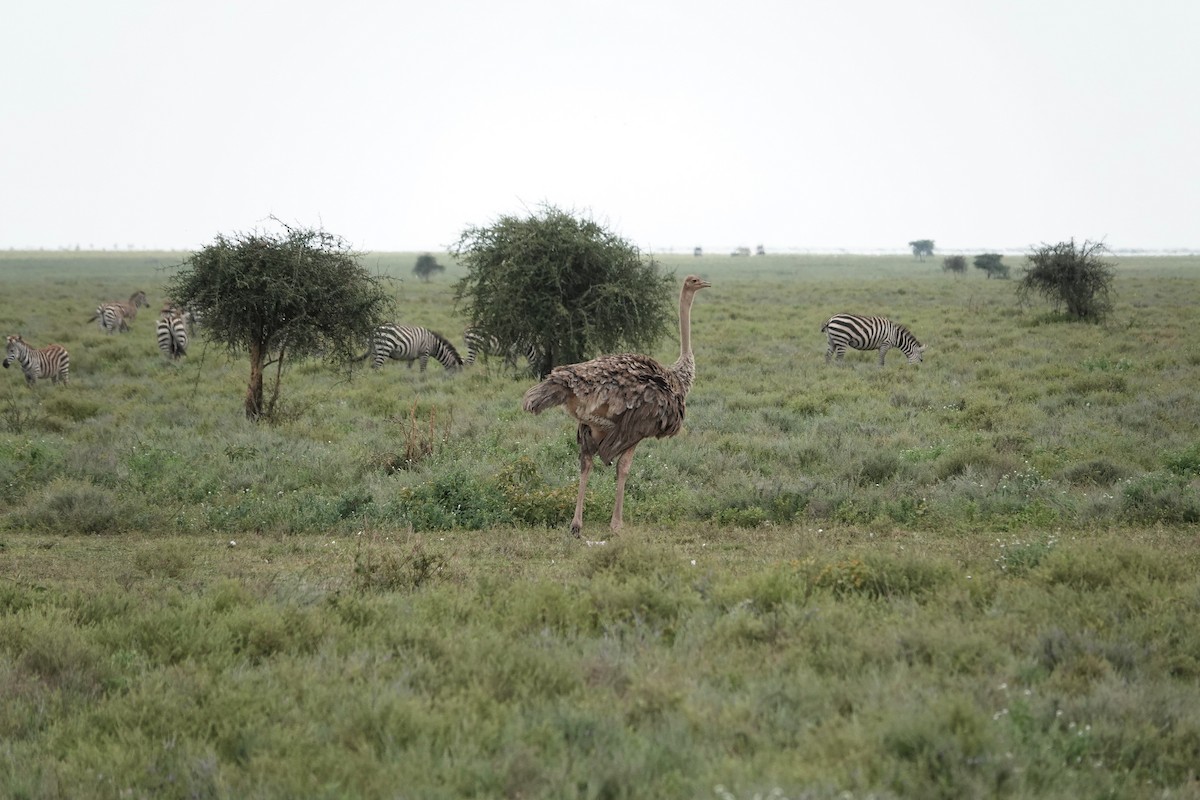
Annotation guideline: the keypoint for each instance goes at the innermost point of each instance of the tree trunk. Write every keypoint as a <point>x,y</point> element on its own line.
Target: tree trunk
<point>254,392</point>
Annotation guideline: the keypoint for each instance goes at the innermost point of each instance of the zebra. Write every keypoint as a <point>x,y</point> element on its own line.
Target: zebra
<point>172,334</point>
<point>190,318</point>
<point>51,361</point>
<point>115,317</point>
<point>410,343</point>
<point>479,343</point>
<point>869,333</point>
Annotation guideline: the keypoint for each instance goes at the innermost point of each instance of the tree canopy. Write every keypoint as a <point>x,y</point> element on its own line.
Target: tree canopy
<point>992,264</point>
<point>565,285</point>
<point>921,248</point>
<point>1075,277</point>
<point>301,292</point>
<point>427,266</point>
<point>955,264</point>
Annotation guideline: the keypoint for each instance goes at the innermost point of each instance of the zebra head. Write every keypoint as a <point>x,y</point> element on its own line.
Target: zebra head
<point>445,352</point>
<point>908,344</point>
<point>12,348</point>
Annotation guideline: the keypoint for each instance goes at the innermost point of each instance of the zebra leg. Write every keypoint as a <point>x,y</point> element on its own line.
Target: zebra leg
<point>883,352</point>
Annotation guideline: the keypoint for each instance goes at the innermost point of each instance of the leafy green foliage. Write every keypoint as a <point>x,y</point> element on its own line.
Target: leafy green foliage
<point>566,285</point>
<point>992,265</point>
<point>954,264</point>
<point>922,248</point>
<point>299,293</point>
<point>1077,278</point>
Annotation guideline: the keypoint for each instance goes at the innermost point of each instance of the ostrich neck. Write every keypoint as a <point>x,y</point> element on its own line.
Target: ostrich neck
<point>685,367</point>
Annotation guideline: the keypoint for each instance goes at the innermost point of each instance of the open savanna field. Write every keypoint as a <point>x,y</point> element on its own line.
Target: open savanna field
<point>978,576</point>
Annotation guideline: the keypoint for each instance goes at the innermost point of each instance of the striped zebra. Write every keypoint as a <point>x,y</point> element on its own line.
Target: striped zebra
<point>480,344</point>
<point>172,334</point>
<point>190,318</point>
<point>51,361</point>
<point>115,317</point>
<point>410,343</point>
<point>870,333</point>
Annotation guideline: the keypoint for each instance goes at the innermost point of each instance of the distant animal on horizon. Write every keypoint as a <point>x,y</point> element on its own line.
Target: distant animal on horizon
<point>619,400</point>
<point>479,344</point>
<point>172,334</point>
<point>870,333</point>
<point>115,317</point>
<point>51,361</point>
<point>410,343</point>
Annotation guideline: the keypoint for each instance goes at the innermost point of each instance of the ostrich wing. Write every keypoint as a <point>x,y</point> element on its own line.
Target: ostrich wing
<point>638,396</point>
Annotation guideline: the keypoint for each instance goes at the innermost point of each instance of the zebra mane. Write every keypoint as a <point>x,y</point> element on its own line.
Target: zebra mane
<point>904,331</point>
<point>447,347</point>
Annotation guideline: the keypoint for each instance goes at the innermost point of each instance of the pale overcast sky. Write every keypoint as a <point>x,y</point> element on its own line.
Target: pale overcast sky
<point>796,124</point>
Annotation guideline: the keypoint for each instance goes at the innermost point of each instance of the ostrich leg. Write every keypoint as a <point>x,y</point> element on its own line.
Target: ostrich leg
<point>585,469</point>
<point>623,464</point>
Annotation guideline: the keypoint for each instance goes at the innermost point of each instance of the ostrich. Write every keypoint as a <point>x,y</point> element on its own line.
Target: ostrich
<point>620,400</point>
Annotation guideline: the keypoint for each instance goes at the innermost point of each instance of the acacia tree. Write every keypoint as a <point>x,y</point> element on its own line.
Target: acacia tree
<point>992,264</point>
<point>426,266</point>
<point>298,293</point>
<point>922,248</point>
<point>1075,277</point>
<point>566,286</point>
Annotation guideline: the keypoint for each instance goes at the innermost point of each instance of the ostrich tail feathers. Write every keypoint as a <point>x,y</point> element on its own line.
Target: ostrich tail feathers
<point>546,394</point>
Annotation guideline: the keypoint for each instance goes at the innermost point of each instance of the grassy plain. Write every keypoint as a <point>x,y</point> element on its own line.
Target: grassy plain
<point>975,577</point>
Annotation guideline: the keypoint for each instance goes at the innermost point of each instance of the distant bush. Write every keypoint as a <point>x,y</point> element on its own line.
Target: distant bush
<point>955,264</point>
<point>1074,277</point>
<point>992,264</point>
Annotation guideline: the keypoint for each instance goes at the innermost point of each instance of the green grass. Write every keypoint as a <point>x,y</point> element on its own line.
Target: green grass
<point>974,577</point>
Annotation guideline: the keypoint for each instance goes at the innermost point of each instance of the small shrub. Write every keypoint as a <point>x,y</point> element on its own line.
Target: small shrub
<point>530,501</point>
<point>1185,463</point>
<point>875,468</point>
<point>452,499</point>
<point>392,569</point>
<point>421,438</point>
<point>1160,498</point>
<point>163,560</point>
<point>72,506</point>
<point>1097,472</point>
<point>850,576</point>
<point>72,408</point>
<point>1017,557</point>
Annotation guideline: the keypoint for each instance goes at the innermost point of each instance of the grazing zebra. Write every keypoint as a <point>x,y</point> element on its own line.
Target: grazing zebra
<point>172,334</point>
<point>478,343</point>
<point>115,317</point>
<point>410,343</point>
<point>869,333</point>
<point>51,361</point>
